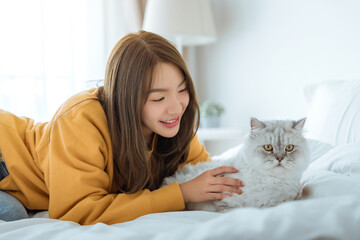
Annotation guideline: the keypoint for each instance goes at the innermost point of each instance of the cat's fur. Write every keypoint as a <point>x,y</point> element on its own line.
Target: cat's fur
<point>267,180</point>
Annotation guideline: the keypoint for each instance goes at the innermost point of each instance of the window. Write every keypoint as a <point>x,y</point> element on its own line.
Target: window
<point>53,49</point>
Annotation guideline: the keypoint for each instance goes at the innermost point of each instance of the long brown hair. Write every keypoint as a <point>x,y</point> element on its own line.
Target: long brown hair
<point>131,63</point>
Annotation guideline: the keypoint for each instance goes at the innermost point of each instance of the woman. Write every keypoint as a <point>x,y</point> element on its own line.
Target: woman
<point>104,154</point>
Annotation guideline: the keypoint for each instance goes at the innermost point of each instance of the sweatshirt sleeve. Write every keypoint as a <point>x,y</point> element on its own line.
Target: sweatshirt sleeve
<point>197,153</point>
<point>79,183</point>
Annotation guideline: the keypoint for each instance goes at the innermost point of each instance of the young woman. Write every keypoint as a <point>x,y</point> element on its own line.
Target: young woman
<point>104,154</point>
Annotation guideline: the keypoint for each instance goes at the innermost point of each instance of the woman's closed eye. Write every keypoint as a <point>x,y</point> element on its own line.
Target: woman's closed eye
<point>162,98</point>
<point>183,90</point>
<point>158,99</point>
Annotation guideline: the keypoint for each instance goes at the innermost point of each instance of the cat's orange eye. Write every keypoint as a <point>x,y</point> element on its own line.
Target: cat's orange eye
<point>289,147</point>
<point>268,147</point>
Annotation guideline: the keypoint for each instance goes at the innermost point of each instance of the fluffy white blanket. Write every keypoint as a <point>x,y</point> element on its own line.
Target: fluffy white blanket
<point>331,210</point>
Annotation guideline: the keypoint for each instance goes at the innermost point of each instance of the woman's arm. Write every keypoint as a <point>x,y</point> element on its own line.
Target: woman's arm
<point>80,176</point>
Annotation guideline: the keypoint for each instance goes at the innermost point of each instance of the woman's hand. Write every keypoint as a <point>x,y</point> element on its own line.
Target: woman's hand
<point>208,186</point>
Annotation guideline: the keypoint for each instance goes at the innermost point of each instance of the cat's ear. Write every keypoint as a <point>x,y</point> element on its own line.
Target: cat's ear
<point>256,124</point>
<point>299,125</point>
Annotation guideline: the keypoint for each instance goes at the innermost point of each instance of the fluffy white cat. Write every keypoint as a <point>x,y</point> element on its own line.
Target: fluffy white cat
<point>270,163</point>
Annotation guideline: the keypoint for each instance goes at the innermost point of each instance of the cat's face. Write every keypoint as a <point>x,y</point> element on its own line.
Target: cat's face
<point>277,147</point>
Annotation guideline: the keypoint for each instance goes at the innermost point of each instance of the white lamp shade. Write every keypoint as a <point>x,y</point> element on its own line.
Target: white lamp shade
<point>185,22</point>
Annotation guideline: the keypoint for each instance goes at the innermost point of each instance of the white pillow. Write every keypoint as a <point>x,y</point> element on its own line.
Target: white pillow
<point>317,149</point>
<point>333,112</point>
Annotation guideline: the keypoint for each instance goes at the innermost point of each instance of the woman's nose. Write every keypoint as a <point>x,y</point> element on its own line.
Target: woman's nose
<point>175,106</point>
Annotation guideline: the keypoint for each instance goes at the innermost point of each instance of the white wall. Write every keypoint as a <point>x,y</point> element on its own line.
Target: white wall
<point>267,51</point>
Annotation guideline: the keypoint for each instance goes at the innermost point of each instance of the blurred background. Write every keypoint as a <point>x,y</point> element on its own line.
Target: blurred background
<point>252,57</point>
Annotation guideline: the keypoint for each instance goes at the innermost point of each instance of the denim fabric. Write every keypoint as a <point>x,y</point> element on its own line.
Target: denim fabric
<point>3,171</point>
<point>10,208</point>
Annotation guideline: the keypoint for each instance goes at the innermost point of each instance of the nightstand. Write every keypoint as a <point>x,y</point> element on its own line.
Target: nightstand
<point>218,140</point>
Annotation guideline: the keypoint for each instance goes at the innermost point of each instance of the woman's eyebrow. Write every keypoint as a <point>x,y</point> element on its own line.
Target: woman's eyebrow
<point>164,89</point>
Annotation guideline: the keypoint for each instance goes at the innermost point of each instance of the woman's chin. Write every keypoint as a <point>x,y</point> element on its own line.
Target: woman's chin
<point>168,133</point>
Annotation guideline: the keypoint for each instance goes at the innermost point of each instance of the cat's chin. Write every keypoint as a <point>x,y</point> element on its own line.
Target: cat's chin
<point>277,170</point>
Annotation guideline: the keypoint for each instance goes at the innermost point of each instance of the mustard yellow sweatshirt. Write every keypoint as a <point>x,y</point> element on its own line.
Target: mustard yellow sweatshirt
<point>65,166</point>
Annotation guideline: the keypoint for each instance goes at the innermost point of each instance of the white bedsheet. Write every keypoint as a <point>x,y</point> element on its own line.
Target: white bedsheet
<point>331,211</point>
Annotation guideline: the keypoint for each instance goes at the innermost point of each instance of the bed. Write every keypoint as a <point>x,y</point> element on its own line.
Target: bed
<point>329,209</point>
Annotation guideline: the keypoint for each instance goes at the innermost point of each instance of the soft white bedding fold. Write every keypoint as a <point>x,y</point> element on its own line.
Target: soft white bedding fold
<point>336,217</point>
<point>330,211</point>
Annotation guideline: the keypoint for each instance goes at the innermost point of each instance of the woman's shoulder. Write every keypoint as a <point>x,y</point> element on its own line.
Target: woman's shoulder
<point>84,101</point>
<point>80,115</point>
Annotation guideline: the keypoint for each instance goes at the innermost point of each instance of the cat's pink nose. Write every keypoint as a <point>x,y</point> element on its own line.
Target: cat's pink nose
<point>280,159</point>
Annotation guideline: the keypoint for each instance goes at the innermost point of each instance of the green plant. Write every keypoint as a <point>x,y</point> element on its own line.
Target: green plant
<point>211,108</point>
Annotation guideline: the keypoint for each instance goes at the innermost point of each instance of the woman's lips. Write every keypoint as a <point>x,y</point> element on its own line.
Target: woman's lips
<point>170,123</point>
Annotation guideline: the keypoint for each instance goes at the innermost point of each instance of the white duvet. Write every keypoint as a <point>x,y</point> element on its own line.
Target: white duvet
<point>330,211</point>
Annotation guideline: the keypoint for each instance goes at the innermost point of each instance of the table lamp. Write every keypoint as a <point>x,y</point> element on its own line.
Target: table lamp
<point>183,22</point>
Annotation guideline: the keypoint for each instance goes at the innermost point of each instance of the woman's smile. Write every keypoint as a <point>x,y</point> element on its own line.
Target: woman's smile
<point>170,123</point>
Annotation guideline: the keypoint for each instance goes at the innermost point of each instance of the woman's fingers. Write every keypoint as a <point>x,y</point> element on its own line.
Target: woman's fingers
<point>227,181</point>
<point>219,196</point>
<point>223,169</point>
<point>210,186</point>
<point>223,189</point>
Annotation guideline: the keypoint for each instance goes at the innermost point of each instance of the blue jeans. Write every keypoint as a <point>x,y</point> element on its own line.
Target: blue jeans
<point>10,208</point>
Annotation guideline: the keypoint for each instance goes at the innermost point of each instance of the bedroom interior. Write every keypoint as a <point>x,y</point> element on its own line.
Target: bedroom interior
<point>266,59</point>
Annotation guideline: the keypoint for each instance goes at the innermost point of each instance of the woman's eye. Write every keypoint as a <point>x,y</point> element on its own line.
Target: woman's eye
<point>158,100</point>
<point>268,147</point>
<point>289,147</point>
<point>182,90</point>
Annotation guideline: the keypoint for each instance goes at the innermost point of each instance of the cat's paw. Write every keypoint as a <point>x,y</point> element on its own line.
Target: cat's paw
<point>225,209</point>
<point>221,206</point>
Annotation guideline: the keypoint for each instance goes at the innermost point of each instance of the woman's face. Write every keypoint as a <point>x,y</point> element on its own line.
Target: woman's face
<point>166,103</point>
